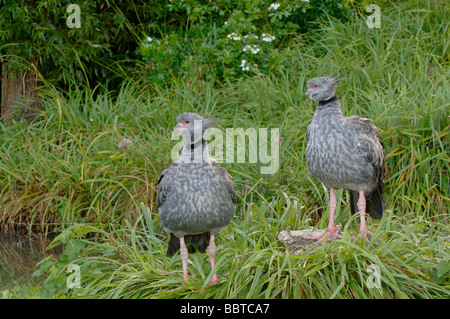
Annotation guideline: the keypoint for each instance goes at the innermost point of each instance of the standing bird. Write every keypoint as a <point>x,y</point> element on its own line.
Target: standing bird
<point>344,152</point>
<point>196,196</point>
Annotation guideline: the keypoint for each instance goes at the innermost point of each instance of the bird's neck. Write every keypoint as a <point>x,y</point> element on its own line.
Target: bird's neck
<point>196,152</point>
<point>331,106</point>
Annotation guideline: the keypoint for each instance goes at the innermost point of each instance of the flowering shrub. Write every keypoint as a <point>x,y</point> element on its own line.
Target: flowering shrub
<point>219,39</point>
<point>205,38</point>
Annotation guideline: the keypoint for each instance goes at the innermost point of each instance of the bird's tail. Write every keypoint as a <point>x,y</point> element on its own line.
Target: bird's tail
<point>374,203</point>
<point>193,242</point>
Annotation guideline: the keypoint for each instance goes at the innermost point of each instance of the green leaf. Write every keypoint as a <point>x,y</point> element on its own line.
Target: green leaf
<point>443,268</point>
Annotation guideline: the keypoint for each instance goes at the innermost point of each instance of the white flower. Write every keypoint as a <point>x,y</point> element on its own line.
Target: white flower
<point>146,43</point>
<point>252,48</point>
<point>244,66</point>
<point>267,37</point>
<point>274,6</point>
<point>234,36</point>
<point>253,36</point>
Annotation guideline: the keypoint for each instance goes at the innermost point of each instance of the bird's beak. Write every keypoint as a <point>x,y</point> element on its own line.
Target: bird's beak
<point>181,125</point>
<point>178,127</point>
<point>308,92</point>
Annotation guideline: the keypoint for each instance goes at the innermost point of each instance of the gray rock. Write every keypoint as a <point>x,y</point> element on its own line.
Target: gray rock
<point>299,240</point>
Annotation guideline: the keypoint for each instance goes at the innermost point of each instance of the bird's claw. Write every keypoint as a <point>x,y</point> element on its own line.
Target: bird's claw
<point>363,234</point>
<point>328,233</point>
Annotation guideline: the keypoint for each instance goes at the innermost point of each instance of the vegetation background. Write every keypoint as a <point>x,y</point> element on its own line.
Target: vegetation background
<point>133,66</point>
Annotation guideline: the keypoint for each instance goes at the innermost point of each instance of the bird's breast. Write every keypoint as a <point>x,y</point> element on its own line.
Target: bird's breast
<point>332,156</point>
<point>197,201</point>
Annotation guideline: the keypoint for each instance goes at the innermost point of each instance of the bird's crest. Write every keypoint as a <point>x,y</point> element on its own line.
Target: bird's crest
<point>338,79</point>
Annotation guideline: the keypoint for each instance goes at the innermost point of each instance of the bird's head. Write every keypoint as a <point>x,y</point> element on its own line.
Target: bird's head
<point>192,126</point>
<point>322,88</point>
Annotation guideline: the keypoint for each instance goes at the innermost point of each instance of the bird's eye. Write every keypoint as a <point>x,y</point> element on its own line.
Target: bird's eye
<point>187,122</point>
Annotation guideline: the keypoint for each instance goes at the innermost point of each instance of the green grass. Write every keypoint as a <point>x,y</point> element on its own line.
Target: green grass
<point>130,261</point>
<point>66,171</point>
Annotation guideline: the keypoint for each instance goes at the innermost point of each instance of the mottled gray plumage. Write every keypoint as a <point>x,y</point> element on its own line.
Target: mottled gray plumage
<point>344,152</point>
<point>196,196</point>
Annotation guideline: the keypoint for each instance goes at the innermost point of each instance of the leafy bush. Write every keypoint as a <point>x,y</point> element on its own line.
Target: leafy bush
<point>35,34</point>
<point>213,40</point>
<point>225,39</point>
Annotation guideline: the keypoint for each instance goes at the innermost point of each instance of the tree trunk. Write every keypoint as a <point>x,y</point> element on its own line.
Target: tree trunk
<point>18,94</point>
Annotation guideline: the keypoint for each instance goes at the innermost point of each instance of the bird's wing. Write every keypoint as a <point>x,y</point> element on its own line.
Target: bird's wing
<point>369,143</point>
<point>164,184</point>
<point>308,134</point>
<point>228,181</point>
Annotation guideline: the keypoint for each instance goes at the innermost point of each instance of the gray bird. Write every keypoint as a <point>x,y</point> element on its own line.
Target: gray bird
<point>344,152</point>
<point>196,196</point>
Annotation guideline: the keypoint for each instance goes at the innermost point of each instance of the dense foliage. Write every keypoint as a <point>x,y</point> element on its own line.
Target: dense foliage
<point>186,37</point>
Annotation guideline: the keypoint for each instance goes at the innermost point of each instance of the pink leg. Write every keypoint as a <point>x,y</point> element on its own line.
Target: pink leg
<point>212,255</point>
<point>184,261</point>
<point>332,230</point>
<point>362,210</point>
<point>184,258</point>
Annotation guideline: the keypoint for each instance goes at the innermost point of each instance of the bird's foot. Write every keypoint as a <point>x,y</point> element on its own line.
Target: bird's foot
<point>213,279</point>
<point>213,282</point>
<point>175,289</point>
<point>363,234</point>
<point>327,234</point>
